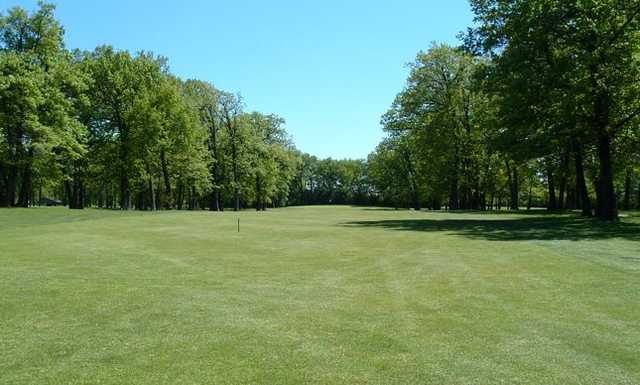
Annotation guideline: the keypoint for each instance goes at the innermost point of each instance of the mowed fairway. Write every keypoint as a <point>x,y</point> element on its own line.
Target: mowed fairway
<point>317,295</point>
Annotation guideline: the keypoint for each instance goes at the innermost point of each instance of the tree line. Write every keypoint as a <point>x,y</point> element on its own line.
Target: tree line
<point>112,129</point>
<point>538,107</point>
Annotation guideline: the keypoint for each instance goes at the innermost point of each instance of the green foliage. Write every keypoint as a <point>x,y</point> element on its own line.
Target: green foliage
<point>565,74</point>
<point>439,126</point>
<point>541,106</point>
<point>39,88</point>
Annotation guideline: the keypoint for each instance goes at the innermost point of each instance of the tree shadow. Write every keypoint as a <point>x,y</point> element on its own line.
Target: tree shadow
<point>538,212</point>
<point>381,208</point>
<point>570,227</point>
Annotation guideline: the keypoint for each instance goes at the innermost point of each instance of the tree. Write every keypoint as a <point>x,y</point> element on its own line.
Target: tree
<point>112,129</point>
<point>270,163</point>
<point>581,57</point>
<point>440,111</point>
<point>38,97</point>
<point>392,172</point>
<point>204,98</point>
<point>230,112</point>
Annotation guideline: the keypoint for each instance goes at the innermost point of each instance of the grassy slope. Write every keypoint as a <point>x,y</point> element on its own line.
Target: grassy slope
<point>322,295</point>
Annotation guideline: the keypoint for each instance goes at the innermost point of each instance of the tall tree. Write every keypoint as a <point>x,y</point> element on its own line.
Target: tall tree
<point>38,88</point>
<point>205,99</point>
<point>230,112</point>
<point>581,57</point>
<point>441,110</point>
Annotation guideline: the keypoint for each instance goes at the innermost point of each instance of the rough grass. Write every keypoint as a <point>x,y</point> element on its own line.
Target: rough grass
<point>317,295</point>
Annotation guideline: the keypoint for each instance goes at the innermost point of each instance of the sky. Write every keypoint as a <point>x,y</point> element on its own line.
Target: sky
<point>330,68</point>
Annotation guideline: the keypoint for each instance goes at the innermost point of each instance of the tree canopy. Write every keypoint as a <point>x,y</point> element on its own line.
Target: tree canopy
<point>539,102</point>
<point>539,106</point>
<point>113,129</point>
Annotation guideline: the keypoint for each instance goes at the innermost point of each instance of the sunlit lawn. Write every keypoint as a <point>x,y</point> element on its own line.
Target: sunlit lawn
<point>318,295</point>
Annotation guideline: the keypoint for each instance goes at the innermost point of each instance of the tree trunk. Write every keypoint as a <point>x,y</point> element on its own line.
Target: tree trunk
<point>125,197</point>
<point>109,197</point>
<point>14,141</point>
<point>454,194</point>
<point>152,191</point>
<point>562,193</point>
<point>82,195</point>
<point>40,191</point>
<point>564,165</point>
<point>3,186</point>
<point>626,202</point>
<point>514,189</point>
<point>72,194</point>
<point>79,193</point>
<point>12,182</point>
<point>102,201</point>
<point>582,193</point>
<point>215,200</point>
<point>26,188</point>
<point>194,198</point>
<point>67,200</point>
<point>607,205</point>
<point>515,193</point>
<point>491,200</point>
<point>552,205</point>
<point>258,194</point>
<point>140,201</point>
<point>571,199</point>
<point>75,193</point>
<point>415,194</point>
<point>168,197</point>
<point>179,195</point>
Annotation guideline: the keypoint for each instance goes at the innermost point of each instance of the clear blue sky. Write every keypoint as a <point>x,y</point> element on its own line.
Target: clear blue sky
<point>330,68</point>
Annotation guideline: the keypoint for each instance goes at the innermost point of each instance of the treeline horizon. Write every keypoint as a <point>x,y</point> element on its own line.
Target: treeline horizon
<point>539,106</point>
<point>111,129</point>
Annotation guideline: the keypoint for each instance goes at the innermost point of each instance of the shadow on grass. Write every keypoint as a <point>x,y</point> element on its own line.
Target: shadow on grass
<point>373,208</point>
<point>517,229</point>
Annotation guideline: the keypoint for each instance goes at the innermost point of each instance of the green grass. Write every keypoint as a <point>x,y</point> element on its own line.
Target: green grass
<point>317,295</point>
